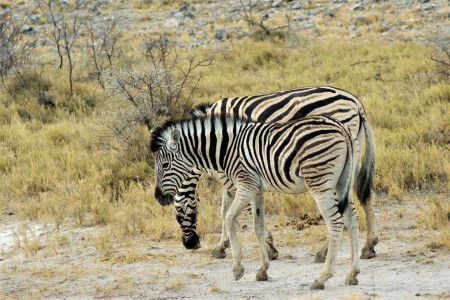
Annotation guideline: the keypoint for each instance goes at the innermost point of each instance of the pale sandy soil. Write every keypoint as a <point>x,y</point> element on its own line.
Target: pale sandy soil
<point>67,265</point>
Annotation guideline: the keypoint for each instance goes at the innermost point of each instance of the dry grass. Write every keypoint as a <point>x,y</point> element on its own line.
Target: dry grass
<point>175,284</point>
<point>55,168</point>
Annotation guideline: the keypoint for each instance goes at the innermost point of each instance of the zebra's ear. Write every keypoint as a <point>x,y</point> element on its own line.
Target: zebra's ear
<point>174,139</point>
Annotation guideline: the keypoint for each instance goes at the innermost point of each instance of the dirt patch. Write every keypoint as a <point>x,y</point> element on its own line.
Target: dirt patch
<point>72,263</point>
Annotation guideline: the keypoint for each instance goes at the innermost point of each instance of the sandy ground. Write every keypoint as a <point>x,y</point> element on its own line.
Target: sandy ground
<point>77,263</point>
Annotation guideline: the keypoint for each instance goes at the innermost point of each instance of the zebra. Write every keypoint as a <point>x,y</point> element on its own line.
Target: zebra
<point>314,153</point>
<point>279,107</point>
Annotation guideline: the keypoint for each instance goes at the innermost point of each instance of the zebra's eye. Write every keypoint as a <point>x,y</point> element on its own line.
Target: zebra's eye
<point>165,165</point>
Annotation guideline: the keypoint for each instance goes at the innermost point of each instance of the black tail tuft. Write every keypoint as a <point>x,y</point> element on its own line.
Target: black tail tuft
<point>364,183</point>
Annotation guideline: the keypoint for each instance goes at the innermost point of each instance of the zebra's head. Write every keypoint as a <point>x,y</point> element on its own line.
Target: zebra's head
<point>170,167</point>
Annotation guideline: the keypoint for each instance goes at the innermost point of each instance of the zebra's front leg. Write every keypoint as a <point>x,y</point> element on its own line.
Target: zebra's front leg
<point>224,243</point>
<point>351,221</point>
<point>260,230</point>
<point>241,200</point>
<point>334,221</point>
<point>368,251</point>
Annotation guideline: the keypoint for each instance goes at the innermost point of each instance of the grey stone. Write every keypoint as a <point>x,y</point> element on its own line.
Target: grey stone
<point>358,6</point>
<point>428,6</point>
<point>297,5</point>
<point>34,18</point>
<point>220,34</point>
<point>276,3</point>
<point>172,22</point>
<point>79,3</point>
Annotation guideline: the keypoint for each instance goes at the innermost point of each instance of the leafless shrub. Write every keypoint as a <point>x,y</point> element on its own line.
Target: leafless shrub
<point>104,44</point>
<point>162,86</point>
<point>441,54</point>
<point>257,26</point>
<point>15,51</point>
<point>64,34</point>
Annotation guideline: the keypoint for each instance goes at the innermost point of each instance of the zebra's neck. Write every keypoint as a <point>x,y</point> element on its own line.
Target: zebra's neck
<point>207,143</point>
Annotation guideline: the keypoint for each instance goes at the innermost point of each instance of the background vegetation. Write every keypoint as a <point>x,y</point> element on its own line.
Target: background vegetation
<point>75,112</point>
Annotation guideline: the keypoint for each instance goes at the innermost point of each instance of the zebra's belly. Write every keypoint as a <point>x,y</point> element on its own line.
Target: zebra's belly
<point>297,187</point>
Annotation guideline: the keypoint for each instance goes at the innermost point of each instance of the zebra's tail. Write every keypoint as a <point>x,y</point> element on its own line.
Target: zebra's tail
<point>366,173</point>
<point>345,182</point>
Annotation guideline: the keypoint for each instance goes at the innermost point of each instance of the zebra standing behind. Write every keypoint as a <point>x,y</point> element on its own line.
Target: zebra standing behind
<point>314,153</point>
<point>281,107</point>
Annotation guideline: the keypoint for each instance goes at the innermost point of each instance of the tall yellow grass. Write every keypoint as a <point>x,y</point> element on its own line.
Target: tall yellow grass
<point>55,168</point>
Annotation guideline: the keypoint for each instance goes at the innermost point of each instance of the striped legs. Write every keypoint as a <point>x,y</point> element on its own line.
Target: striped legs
<point>335,224</point>
<point>351,221</point>
<point>219,250</point>
<point>227,198</point>
<point>258,211</point>
<point>334,221</point>
<point>368,251</point>
<point>241,200</point>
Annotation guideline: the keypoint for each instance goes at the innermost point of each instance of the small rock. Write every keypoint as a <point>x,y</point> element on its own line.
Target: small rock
<point>358,6</point>
<point>27,29</point>
<point>185,7</point>
<point>276,3</point>
<point>429,6</point>
<point>172,22</point>
<point>34,18</point>
<point>79,3</point>
<point>220,34</point>
<point>297,5</point>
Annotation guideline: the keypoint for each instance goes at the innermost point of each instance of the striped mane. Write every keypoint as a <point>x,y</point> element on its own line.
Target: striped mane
<point>160,134</point>
<point>200,110</point>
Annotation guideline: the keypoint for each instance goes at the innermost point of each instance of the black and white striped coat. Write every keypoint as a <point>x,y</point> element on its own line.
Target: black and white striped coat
<point>280,107</point>
<point>313,154</point>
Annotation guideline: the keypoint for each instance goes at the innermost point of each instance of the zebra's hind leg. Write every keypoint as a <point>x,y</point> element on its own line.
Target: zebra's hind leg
<point>351,221</point>
<point>241,200</point>
<point>368,251</point>
<point>271,250</point>
<point>219,250</point>
<point>260,230</point>
<point>334,221</point>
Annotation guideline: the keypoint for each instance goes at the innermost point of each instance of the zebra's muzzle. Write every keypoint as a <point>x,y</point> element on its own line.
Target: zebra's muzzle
<point>192,241</point>
<point>163,199</point>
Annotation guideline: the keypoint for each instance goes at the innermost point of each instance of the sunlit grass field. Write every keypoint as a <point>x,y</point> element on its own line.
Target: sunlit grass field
<point>60,166</point>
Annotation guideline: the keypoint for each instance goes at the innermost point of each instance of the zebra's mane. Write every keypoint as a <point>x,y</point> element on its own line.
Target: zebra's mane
<point>161,133</point>
<point>200,110</point>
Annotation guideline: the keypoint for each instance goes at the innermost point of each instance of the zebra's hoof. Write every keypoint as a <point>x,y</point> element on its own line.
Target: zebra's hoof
<point>219,252</point>
<point>238,272</point>
<point>272,252</point>
<point>317,285</point>
<point>368,252</point>
<point>262,275</point>
<point>350,280</point>
<point>321,255</point>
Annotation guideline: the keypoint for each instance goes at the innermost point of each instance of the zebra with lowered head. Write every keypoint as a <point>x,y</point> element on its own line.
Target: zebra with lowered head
<point>315,153</point>
<point>281,107</point>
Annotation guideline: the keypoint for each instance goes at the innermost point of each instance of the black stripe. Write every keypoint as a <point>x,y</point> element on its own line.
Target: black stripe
<point>213,145</point>
<point>251,107</point>
<point>282,103</point>
<point>307,109</point>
